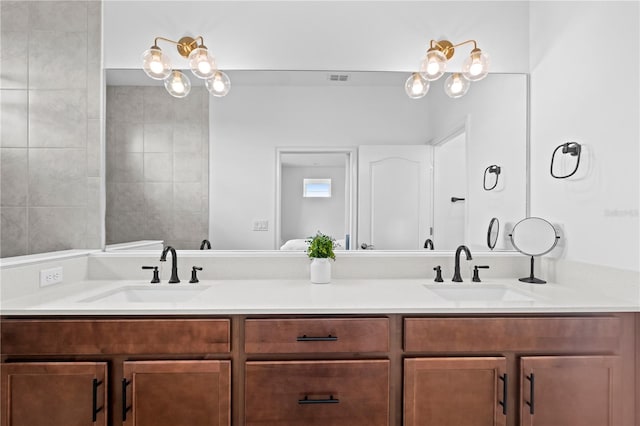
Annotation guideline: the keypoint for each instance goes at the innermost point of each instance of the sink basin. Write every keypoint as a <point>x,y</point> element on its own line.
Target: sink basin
<point>147,294</point>
<point>479,293</point>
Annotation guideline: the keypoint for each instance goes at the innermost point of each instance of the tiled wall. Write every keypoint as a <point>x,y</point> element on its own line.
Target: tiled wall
<point>157,166</point>
<point>51,117</point>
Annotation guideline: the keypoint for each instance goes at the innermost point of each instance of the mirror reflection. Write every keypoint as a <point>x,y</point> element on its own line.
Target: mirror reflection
<point>408,171</point>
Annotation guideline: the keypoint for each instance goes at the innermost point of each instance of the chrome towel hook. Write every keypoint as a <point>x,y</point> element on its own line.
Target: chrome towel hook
<point>574,149</point>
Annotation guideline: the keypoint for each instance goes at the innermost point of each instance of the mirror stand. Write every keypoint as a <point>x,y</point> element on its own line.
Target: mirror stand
<point>532,279</point>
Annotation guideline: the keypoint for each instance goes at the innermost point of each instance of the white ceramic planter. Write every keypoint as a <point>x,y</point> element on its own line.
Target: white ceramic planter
<point>320,270</point>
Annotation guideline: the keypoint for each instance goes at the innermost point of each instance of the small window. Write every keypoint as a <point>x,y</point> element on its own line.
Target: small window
<point>316,188</point>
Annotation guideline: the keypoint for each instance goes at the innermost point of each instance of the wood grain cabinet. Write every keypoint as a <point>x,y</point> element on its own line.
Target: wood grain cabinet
<point>570,391</point>
<point>54,394</point>
<point>289,390</point>
<point>317,393</point>
<point>174,393</point>
<point>470,391</point>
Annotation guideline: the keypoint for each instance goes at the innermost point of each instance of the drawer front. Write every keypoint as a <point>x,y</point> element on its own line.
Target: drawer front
<point>86,337</point>
<point>314,335</point>
<point>557,334</point>
<point>310,393</point>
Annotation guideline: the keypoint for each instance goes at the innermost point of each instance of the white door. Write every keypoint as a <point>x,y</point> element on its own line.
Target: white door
<point>450,184</point>
<point>394,184</point>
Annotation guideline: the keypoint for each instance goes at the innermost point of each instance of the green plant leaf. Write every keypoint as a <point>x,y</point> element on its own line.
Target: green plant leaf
<point>321,246</point>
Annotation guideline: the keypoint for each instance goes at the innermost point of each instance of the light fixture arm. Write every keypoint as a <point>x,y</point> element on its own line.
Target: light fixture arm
<point>448,48</point>
<point>185,45</point>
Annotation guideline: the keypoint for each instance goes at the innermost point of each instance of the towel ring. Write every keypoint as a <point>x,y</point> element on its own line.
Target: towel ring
<point>491,169</point>
<point>574,149</point>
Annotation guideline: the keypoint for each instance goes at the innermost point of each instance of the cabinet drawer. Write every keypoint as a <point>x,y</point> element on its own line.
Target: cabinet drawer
<point>310,393</point>
<point>316,335</point>
<point>118,336</point>
<point>556,334</point>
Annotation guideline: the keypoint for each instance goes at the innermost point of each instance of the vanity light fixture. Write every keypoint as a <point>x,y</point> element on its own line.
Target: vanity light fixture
<point>157,65</point>
<point>434,65</point>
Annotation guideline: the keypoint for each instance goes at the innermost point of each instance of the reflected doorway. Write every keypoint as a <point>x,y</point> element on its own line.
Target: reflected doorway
<point>315,192</point>
<point>450,191</point>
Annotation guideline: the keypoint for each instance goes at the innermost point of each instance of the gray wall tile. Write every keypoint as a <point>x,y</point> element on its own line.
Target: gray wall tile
<point>187,197</point>
<point>14,15</point>
<point>189,109</point>
<point>159,225</point>
<point>187,167</point>
<point>125,104</point>
<point>57,118</point>
<point>94,147</point>
<point>58,15</point>
<point>158,197</point>
<point>14,55</point>
<point>51,67</point>
<point>58,177</point>
<point>95,221</point>
<point>158,167</point>
<point>125,197</point>
<point>13,176</point>
<point>158,137</point>
<point>129,137</point>
<point>13,228</point>
<point>187,138</point>
<point>59,228</point>
<point>125,167</point>
<point>158,105</point>
<point>186,225</point>
<point>14,118</point>
<point>125,227</point>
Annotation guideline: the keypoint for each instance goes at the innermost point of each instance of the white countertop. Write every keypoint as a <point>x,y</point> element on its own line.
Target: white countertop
<point>296,296</point>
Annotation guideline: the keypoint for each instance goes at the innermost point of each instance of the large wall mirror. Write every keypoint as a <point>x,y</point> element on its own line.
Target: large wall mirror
<point>233,169</point>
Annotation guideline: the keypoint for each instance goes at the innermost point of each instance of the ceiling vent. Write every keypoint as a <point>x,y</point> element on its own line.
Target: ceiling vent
<point>338,77</point>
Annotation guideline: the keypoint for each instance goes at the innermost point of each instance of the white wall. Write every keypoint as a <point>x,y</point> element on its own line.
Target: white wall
<point>584,88</point>
<point>247,125</point>
<point>330,35</point>
<point>494,111</point>
<point>303,217</point>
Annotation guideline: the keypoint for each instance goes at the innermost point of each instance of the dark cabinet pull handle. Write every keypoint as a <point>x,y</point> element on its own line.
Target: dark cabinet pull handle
<point>505,388</point>
<point>125,383</point>
<point>305,338</point>
<point>531,388</point>
<point>306,400</point>
<point>95,409</point>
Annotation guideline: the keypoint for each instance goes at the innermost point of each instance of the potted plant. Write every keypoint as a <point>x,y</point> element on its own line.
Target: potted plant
<point>320,251</point>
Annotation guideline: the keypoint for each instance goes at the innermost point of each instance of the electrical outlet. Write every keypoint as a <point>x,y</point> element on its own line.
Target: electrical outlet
<point>261,225</point>
<point>51,276</point>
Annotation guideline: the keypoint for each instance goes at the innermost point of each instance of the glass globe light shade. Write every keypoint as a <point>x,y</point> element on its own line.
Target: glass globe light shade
<point>476,66</point>
<point>156,64</point>
<point>456,85</point>
<point>201,63</point>
<point>177,84</point>
<point>433,65</point>
<point>416,86</point>
<point>219,84</point>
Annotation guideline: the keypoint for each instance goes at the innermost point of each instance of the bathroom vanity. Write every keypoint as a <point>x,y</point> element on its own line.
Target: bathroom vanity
<point>354,352</point>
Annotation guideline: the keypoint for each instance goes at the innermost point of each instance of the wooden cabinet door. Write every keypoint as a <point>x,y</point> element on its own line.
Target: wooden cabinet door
<point>455,391</point>
<point>176,393</point>
<point>53,394</point>
<point>317,393</point>
<point>570,390</point>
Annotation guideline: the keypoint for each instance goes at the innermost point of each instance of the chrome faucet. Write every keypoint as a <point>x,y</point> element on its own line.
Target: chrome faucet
<point>456,273</point>
<point>174,263</point>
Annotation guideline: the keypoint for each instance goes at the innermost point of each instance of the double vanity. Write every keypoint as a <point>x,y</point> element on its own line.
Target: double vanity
<point>113,349</point>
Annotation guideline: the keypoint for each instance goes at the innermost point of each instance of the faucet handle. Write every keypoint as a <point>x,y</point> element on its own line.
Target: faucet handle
<point>156,277</point>
<point>438,270</point>
<point>476,276</point>
<point>194,274</point>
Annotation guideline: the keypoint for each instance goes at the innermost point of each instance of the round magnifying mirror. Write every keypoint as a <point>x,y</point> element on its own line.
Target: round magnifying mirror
<point>534,236</point>
<point>492,233</point>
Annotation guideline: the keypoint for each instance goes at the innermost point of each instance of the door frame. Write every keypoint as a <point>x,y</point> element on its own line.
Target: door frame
<point>350,190</point>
